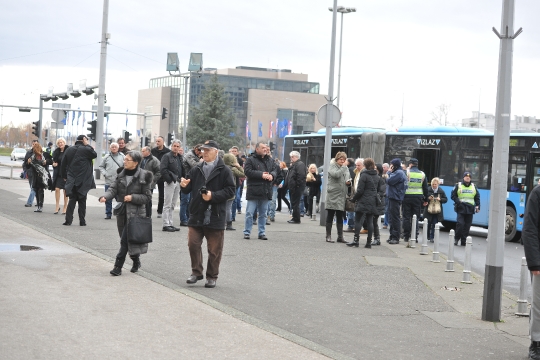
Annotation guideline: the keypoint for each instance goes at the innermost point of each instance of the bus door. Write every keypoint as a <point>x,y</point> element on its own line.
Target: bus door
<point>534,178</point>
<point>428,162</point>
<point>517,186</point>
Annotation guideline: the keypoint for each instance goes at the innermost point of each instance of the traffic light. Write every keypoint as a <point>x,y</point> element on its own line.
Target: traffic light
<point>272,146</point>
<point>110,141</point>
<point>92,129</point>
<point>164,112</point>
<point>127,137</point>
<point>145,141</point>
<point>36,129</point>
<point>169,139</point>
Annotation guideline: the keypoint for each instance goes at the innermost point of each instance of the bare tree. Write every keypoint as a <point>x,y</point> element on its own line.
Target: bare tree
<point>440,115</point>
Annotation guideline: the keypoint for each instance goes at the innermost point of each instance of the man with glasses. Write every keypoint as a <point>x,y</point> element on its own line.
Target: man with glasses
<point>171,172</point>
<point>211,184</point>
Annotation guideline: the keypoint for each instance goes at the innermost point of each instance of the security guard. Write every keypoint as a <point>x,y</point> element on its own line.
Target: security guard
<point>415,196</point>
<point>466,203</point>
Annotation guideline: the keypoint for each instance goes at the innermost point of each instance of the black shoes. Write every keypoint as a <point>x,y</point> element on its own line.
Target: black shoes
<point>340,239</point>
<point>117,271</point>
<point>263,237</point>
<point>210,283</point>
<point>39,209</point>
<point>329,239</point>
<point>534,350</point>
<point>192,279</point>
<point>246,236</point>
<point>183,224</point>
<point>67,223</point>
<point>393,241</point>
<point>107,218</point>
<point>456,242</point>
<point>136,265</point>
<point>293,222</point>
<point>376,241</point>
<point>82,223</point>
<point>354,243</point>
<point>27,205</point>
<point>368,244</point>
<point>229,226</point>
<point>169,229</point>
<point>175,228</point>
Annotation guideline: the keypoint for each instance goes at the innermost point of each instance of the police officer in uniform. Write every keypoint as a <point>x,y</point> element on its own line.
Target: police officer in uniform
<point>415,196</point>
<point>466,203</point>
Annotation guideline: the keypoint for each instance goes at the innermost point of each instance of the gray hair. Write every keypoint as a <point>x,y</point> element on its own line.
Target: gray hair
<point>60,139</point>
<point>295,154</point>
<point>147,148</point>
<point>135,155</point>
<point>359,160</point>
<point>114,143</point>
<point>175,141</point>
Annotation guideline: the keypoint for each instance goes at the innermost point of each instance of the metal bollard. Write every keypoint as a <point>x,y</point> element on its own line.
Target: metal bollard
<point>522,301</point>
<point>412,243</point>
<point>450,260</point>
<point>314,213</point>
<point>436,258</point>
<point>467,263</point>
<point>424,248</point>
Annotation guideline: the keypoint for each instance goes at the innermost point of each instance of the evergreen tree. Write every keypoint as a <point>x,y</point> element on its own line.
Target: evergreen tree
<point>213,119</point>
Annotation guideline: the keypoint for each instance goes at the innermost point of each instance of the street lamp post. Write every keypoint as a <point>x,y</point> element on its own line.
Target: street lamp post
<point>249,123</point>
<point>342,10</point>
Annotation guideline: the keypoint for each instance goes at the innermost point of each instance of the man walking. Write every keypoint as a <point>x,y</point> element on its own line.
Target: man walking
<point>110,163</point>
<point>151,164</point>
<point>29,171</point>
<point>416,195</point>
<point>395,185</point>
<point>76,170</point>
<point>158,152</point>
<point>237,202</point>
<point>296,183</point>
<point>466,203</point>
<point>191,159</point>
<point>211,184</point>
<point>260,171</point>
<point>171,172</point>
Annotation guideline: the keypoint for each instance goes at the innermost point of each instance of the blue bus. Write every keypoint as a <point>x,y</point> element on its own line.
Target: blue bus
<point>444,152</point>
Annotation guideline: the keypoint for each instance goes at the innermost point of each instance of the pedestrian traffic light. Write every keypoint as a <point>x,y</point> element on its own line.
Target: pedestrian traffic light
<point>127,137</point>
<point>36,128</point>
<point>110,141</point>
<point>169,139</point>
<point>145,141</point>
<point>164,112</point>
<point>92,129</point>
<point>272,146</point>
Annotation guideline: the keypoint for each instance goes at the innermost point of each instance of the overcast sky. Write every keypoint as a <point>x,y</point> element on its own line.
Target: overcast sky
<point>396,53</point>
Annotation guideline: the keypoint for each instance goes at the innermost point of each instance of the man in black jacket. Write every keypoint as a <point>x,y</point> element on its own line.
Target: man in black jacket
<point>296,183</point>
<point>531,242</point>
<point>171,171</point>
<point>77,170</point>
<point>30,176</point>
<point>260,172</point>
<point>158,152</point>
<point>211,184</point>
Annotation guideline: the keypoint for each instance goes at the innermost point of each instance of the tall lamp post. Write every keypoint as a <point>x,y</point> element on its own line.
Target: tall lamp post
<point>342,10</point>
<point>249,123</point>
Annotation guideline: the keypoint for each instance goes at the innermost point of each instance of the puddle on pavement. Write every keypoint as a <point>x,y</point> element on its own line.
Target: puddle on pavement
<point>16,247</point>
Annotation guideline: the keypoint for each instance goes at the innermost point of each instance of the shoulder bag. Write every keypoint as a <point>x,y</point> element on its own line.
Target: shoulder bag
<point>139,230</point>
<point>434,207</point>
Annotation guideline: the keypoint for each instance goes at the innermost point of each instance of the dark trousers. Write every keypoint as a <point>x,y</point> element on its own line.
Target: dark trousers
<point>161,197</point>
<point>432,220</point>
<point>121,221</point>
<point>281,196</point>
<point>40,195</point>
<point>376,229</point>
<point>359,219</point>
<point>295,203</point>
<point>311,209</point>
<point>214,242</point>
<point>73,200</point>
<point>330,216</point>
<point>149,206</point>
<point>108,204</point>
<point>394,207</point>
<point>412,205</point>
<point>463,225</point>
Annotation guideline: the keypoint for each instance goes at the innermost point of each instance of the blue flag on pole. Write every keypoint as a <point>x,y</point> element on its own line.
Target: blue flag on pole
<point>78,117</point>
<point>127,110</point>
<point>260,129</point>
<point>65,119</point>
<point>72,117</point>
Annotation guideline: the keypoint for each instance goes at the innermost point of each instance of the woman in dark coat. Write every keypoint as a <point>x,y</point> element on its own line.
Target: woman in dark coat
<point>40,161</point>
<point>132,187</point>
<point>365,200</point>
<point>282,190</point>
<point>437,194</point>
<point>58,182</point>
<point>381,190</point>
<point>313,182</point>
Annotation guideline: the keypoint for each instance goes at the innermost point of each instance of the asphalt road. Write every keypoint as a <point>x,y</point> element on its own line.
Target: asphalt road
<point>294,281</point>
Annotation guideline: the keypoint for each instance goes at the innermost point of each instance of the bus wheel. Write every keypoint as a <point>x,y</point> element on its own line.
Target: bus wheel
<point>510,225</point>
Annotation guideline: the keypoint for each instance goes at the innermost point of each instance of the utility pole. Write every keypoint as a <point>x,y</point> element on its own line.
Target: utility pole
<point>101,93</point>
<point>492,299</point>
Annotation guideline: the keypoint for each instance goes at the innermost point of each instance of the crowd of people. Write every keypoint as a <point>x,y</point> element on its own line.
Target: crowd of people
<point>209,183</point>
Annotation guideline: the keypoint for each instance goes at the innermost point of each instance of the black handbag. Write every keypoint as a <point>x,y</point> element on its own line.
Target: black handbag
<point>139,230</point>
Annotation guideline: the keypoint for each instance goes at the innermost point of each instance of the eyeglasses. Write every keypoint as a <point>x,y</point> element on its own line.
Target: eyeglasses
<point>127,159</point>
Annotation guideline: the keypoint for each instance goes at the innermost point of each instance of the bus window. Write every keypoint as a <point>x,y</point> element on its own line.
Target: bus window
<point>479,172</point>
<point>516,177</point>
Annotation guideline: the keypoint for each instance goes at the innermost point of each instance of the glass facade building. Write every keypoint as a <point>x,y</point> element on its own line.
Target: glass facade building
<point>237,88</point>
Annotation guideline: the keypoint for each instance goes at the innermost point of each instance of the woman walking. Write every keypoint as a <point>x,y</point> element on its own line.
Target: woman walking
<point>365,199</point>
<point>437,197</point>
<point>282,190</point>
<point>58,182</point>
<point>132,188</point>
<point>313,183</point>
<point>381,191</point>
<point>338,179</point>
<point>40,161</point>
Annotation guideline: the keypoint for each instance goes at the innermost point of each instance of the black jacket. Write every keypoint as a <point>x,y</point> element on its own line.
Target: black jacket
<point>444,199</point>
<point>159,154</point>
<point>530,235</point>
<point>57,157</point>
<point>220,182</point>
<point>257,187</point>
<point>77,168</point>
<point>296,178</point>
<point>366,192</point>
<point>171,167</point>
<point>314,186</point>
